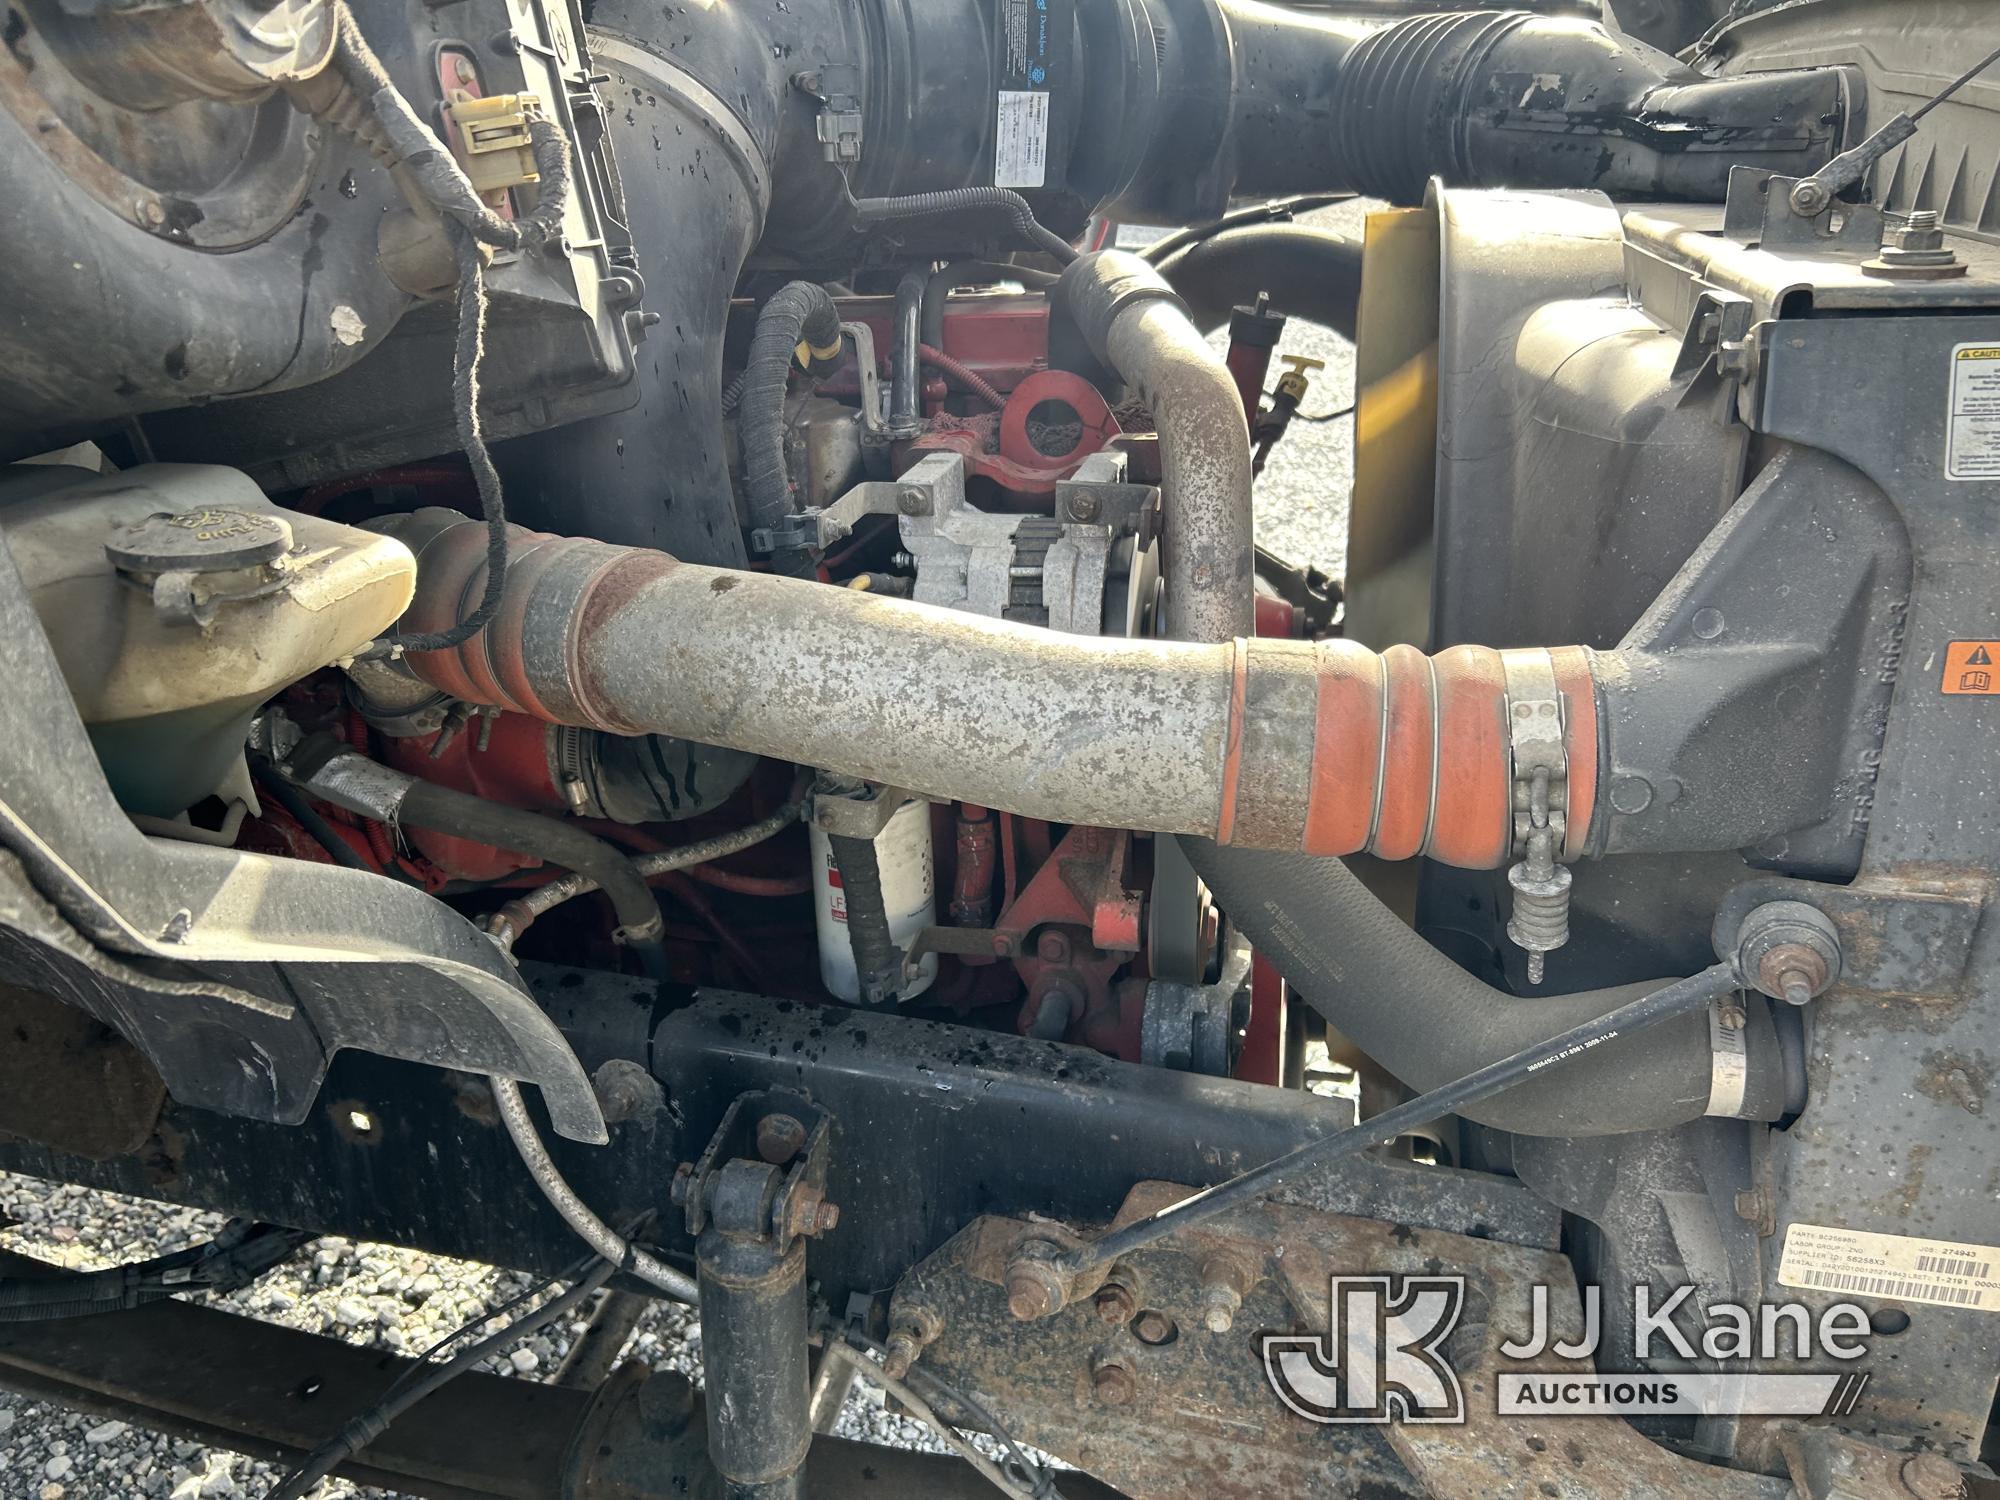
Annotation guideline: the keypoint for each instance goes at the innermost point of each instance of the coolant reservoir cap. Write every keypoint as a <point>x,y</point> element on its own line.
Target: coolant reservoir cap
<point>208,540</point>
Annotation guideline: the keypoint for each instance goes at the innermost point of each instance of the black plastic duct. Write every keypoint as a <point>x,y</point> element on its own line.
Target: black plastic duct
<point>1429,1022</point>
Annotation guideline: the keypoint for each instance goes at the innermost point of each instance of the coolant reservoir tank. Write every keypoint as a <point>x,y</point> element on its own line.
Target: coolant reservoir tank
<point>177,599</point>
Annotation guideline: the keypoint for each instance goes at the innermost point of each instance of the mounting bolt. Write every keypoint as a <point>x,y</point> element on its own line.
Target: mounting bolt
<point>1053,947</point>
<point>913,500</point>
<point>1115,1303</point>
<point>1112,1383</point>
<point>1932,1476</point>
<point>1082,506</point>
<point>1034,1290</point>
<point>810,1214</point>
<point>1811,198</point>
<point>1153,1327</point>
<point>1788,950</point>
<point>1792,972</point>
<point>1224,1280</point>
<point>779,1138</point>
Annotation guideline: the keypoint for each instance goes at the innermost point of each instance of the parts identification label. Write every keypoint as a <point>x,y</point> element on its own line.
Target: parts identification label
<point>1970,669</point>
<point>1021,141</point>
<point>1972,443</point>
<point>1943,1273</point>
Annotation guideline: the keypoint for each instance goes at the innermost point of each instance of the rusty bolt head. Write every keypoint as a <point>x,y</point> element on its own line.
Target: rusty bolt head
<point>1932,1476</point>
<point>1034,1290</point>
<point>1083,506</point>
<point>1113,1384</point>
<point>1004,944</point>
<point>827,1218</point>
<point>913,500</point>
<point>1153,1327</point>
<point>1115,1303</point>
<point>779,1138</point>
<point>1794,971</point>
<point>1053,947</point>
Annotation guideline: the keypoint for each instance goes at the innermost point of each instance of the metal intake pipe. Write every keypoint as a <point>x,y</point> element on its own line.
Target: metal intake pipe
<point>1321,748</point>
<point>1135,322</point>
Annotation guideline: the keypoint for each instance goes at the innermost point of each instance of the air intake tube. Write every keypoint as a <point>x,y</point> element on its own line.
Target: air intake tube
<point>1315,747</point>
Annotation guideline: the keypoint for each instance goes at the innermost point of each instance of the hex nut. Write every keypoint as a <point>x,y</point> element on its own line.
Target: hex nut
<point>1114,1384</point>
<point>1154,1327</point>
<point>1034,1290</point>
<point>1115,1303</point>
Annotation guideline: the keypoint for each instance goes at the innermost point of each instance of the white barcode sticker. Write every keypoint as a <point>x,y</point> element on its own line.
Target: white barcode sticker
<point>1943,1273</point>
<point>1021,141</point>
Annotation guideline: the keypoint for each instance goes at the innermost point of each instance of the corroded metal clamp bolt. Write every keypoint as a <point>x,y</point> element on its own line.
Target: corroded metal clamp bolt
<point>1788,950</point>
<point>1034,1287</point>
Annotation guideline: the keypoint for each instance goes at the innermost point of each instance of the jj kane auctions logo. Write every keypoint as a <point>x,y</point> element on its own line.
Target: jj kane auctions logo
<point>1385,1357</point>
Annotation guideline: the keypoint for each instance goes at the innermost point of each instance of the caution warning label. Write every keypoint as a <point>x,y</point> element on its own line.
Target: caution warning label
<point>1972,668</point>
<point>1972,441</point>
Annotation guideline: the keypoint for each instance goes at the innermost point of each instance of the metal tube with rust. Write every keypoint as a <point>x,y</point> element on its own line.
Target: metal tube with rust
<point>1314,747</point>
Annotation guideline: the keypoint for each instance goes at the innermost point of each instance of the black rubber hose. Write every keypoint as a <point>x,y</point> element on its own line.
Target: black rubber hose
<point>798,312</point>
<point>307,817</point>
<point>877,961</point>
<point>960,200</point>
<point>906,418</point>
<point>444,810</point>
<point>1429,1022</point>
<point>1310,273</point>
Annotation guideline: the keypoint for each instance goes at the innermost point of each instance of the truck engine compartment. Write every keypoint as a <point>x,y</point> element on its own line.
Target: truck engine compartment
<point>631,634</point>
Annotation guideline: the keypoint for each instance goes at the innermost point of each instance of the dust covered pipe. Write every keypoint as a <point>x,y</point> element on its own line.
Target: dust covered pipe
<point>1322,748</point>
<point>1134,321</point>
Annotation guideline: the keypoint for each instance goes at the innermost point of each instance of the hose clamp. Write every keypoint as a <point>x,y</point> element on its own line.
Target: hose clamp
<point>1538,748</point>
<point>1538,780</point>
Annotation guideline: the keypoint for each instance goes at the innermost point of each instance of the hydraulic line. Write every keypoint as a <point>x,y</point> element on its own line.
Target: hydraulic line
<point>593,1231</point>
<point>513,919</point>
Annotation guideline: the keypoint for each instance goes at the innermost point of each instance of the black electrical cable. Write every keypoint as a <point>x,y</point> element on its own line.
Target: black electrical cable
<point>1324,416</point>
<point>959,200</point>
<point>1277,211</point>
<point>423,1377</point>
<point>394,130</point>
<point>243,1251</point>
<point>467,350</point>
<point>1676,999</point>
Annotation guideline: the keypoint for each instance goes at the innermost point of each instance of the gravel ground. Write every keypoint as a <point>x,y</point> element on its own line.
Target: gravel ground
<point>396,1299</point>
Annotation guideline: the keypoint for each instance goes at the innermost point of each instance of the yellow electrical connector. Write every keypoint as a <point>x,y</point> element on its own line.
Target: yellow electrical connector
<point>493,143</point>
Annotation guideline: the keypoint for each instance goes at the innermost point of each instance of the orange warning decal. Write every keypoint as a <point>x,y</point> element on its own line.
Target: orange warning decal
<point>1972,667</point>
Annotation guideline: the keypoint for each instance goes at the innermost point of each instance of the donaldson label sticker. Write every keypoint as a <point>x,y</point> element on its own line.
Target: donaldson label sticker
<point>1940,1272</point>
<point>1021,141</point>
<point>1972,446</point>
<point>1971,668</point>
